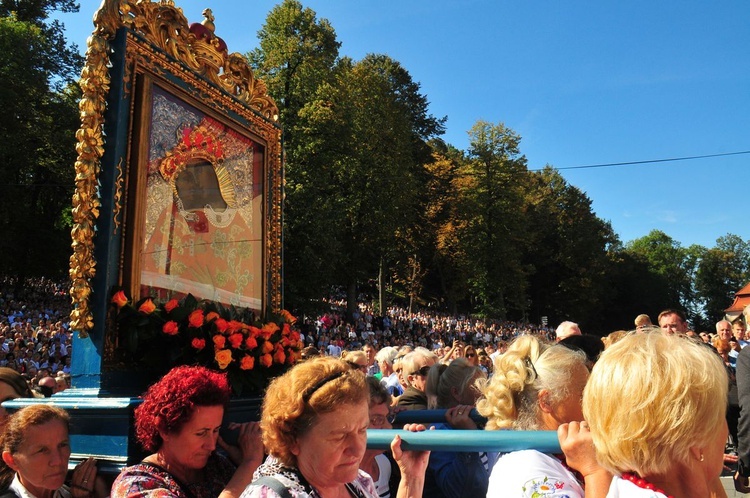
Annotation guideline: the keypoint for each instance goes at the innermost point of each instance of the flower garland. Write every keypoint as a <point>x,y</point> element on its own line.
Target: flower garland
<point>192,332</point>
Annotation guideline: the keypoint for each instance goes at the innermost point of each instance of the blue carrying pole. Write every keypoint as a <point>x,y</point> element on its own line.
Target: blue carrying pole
<point>470,441</point>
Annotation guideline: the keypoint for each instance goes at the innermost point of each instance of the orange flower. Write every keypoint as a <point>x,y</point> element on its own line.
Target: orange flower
<point>198,343</point>
<point>223,358</point>
<point>171,304</point>
<point>235,340</point>
<point>288,318</point>
<point>222,325</point>
<point>279,356</point>
<point>268,330</point>
<point>247,363</point>
<point>211,316</point>
<point>219,341</point>
<point>266,360</point>
<point>147,307</point>
<point>295,336</point>
<point>171,328</point>
<point>120,299</point>
<point>253,331</point>
<point>267,347</point>
<point>234,326</point>
<point>292,357</point>
<point>196,318</point>
<point>251,343</point>
<point>286,330</point>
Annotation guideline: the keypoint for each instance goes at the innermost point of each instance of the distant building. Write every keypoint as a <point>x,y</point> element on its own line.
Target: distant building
<point>741,299</point>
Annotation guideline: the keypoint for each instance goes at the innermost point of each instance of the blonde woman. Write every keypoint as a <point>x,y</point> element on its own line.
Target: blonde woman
<point>539,387</point>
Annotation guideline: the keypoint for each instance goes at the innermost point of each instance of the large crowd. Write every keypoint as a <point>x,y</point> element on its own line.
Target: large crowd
<point>640,413</point>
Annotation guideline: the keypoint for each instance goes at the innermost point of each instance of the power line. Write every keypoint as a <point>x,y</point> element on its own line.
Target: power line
<point>687,158</point>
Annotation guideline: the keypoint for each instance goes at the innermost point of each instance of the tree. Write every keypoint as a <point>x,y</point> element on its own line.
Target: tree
<point>722,271</point>
<point>37,153</point>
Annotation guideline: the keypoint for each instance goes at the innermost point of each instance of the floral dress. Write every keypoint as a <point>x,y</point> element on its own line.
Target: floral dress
<point>149,480</point>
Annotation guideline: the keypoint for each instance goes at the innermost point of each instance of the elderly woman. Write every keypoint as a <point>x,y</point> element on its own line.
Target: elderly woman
<point>314,421</point>
<point>537,386</point>
<point>179,422</point>
<point>451,474</point>
<point>656,404</point>
<point>415,367</point>
<point>36,451</point>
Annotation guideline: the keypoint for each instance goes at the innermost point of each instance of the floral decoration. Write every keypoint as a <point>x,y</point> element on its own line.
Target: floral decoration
<point>160,336</point>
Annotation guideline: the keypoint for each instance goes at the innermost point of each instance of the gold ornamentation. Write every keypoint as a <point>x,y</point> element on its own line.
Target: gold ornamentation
<point>191,51</point>
<point>117,205</point>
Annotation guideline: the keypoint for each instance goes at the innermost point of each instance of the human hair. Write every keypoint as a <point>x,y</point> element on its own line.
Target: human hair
<point>294,400</point>
<point>16,381</point>
<point>169,403</point>
<point>17,428</point>
<point>387,355</point>
<point>723,321</point>
<point>411,360</point>
<point>642,319</point>
<point>651,397</point>
<point>354,356</point>
<point>443,379</point>
<point>565,329</point>
<point>511,396</point>
<point>378,393</point>
<point>668,312</point>
<point>721,345</point>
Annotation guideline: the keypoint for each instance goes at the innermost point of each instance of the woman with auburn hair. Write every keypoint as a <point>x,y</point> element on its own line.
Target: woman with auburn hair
<point>537,386</point>
<point>656,406</point>
<point>179,422</point>
<point>35,455</point>
<point>314,422</point>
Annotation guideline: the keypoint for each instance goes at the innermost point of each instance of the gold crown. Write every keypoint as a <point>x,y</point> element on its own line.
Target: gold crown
<point>210,51</point>
<point>199,142</point>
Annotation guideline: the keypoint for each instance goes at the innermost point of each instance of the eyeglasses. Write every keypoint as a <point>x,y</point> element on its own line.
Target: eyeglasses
<point>470,355</point>
<point>422,371</point>
<point>381,420</point>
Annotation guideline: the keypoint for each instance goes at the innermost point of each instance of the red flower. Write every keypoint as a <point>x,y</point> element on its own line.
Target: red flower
<point>268,330</point>
<point>234,326</point>
<point>120,299</point>
<point>171,328</point>
<point>219,341</point>
<point>247,363</point>
<point>222,325</point>
<point>253,331</point>
<point>251,343</point>
<point>267,346</point>
<point>171,304</point>
<point>266,360</point>
<point>279,356</point>
<point>147,307</point>
<point>288,318</point>
<point>235,340</point>
<point>196,319</point>
<point>198,343</point>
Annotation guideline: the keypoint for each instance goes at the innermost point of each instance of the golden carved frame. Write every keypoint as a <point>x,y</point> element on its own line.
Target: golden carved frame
<point>160,44</point>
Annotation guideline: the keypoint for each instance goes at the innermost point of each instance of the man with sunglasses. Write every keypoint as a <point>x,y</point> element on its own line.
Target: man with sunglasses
<point>415,366</point>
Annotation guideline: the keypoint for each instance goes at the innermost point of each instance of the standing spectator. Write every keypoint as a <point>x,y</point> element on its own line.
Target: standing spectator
<point>672,322</point>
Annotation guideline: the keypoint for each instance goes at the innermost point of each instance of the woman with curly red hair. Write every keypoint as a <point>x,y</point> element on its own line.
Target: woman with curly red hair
<point>179,422</point>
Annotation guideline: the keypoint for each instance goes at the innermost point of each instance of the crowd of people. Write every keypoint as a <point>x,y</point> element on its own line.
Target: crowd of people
<point>639,413</point>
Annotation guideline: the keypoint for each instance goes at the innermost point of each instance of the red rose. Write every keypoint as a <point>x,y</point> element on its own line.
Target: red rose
<point>147,307</point>
<point>279,356</point>
<point>171,304</point>
<point>196,318</point>
<point>266,360</point>
<point>235,340</point>
<point>219,341</point>
<point>120,299</point>
<point>247,363</point>
<point>198,343</point>
<point>251,343</point>
<point>222,325</point>
<point>171,328</point>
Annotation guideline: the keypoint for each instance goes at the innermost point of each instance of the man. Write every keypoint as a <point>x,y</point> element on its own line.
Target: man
<point>724,331</point>
<point>643,321</point>
<point>385,359</point>
<point>739,330</point>
<point>672,322</point>
<point>567,329</point>
<point>373,367</point>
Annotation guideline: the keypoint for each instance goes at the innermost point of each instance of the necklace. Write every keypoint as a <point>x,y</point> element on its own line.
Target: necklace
<point>642,483</point>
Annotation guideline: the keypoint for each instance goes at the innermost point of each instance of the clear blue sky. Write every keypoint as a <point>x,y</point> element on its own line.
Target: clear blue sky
<point>582,82</point>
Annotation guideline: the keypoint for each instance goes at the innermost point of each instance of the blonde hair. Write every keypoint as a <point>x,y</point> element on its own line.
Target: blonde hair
<point>511,396</point>
<point>650,398</point>
<point>442,379</point>
<point>294,400</point>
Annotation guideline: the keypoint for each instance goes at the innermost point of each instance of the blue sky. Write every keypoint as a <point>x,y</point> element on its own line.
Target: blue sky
<point>582,82</point>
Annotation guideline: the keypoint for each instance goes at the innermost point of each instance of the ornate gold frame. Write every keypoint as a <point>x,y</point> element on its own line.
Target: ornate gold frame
<point>161,44</point>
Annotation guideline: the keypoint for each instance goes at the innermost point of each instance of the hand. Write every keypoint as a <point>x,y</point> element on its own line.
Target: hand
<point>576,443</point>
<point>249,447</point>
<point>741,484</point>
<point>84,479</point>
<point>731,460</point>
<point>412,463</point>
<point>459,417</point>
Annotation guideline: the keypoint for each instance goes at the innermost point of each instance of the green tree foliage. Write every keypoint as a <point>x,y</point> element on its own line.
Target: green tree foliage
<point>722,271</point>
<point>37,150</point>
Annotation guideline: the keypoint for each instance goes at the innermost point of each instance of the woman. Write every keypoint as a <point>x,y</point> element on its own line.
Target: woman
<point>375,462</point>
<point>656,404</point>
<point>539,387</point>
<point>179,422</point>
<point>35,455</point>
<point>451,474</point>
<point>12,386</point>
<point>415,366</point>
<point>314,423</point>
<point>470,353</point>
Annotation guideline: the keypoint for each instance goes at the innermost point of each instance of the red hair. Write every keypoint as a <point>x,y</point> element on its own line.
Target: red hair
<point>169,403</point>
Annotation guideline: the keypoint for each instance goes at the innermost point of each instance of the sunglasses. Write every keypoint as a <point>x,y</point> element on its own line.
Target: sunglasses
<point>470,355</point>
<point>422,371</point>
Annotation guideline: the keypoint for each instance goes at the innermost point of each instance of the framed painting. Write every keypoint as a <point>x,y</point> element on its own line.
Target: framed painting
<point>179,174</point>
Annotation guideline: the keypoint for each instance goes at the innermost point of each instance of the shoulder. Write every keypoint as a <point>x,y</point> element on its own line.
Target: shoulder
<point>621,488</point>
<point>143,479</point>
<point>533,474</point>
<point>260,490</point>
